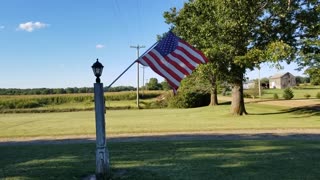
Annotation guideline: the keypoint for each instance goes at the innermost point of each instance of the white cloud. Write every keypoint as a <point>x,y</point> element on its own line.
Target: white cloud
<point>31,26</point>
<point>99,46</point>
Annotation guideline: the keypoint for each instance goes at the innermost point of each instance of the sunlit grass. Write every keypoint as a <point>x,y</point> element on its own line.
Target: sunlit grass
<point>299,92</point>
<point>156,121</point>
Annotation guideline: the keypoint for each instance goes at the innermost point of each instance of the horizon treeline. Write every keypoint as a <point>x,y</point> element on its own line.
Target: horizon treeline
<point>68,90</point>
<point>153,84</point>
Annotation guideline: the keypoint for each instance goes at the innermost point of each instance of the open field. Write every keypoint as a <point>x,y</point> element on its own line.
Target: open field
<point>205,119</point>
<point>214,159</point>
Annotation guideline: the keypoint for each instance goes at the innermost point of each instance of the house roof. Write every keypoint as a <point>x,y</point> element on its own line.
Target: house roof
<point>278,75</point>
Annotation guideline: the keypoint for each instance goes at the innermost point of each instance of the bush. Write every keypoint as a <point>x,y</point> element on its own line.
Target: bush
<point>275,96</point>
<point>318,95</point>
<point>287,94</point>
<point>246,95</point>
<point>307,96</point>
<point>189,100</point>
<point>254,91</point>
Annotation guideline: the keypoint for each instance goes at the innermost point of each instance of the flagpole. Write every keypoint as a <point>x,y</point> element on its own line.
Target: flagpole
<point>121,74</point>
<point>131,65</point>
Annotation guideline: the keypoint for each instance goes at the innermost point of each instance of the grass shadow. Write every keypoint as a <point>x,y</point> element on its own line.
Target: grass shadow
<point>52,161</point>
<point>225,103</point>
<point>311,110</point>
<point>196,159</point>
<point>221,159</point>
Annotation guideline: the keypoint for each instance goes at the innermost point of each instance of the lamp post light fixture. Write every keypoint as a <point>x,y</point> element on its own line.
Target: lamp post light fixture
<point>102,155</point>
<point>97,68</point>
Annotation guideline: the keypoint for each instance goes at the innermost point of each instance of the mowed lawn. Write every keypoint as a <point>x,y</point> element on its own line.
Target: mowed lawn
<point>197,159</point>
<point>213,159</point>
<point>157,121</point>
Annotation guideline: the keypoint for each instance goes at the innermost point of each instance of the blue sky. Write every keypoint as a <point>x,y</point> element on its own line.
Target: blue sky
<point>53,44</point>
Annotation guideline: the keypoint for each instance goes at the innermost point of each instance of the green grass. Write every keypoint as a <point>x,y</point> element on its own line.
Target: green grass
<point>157,121</point>
<point>298,92</point>
<point>241,159</point>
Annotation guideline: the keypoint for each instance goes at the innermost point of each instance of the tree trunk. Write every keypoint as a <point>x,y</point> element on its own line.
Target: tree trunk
<point>237,104</point>
<point>213,91</point>
<point>214,97</point>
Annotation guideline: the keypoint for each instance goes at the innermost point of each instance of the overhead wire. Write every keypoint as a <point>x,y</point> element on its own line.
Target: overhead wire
<point>121,19</point>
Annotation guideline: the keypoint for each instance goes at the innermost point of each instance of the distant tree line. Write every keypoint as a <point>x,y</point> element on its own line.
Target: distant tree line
<point>43,91</point>
<point>154,84</point>
<point>302,80</point>
<point>151,85</point>
<point>69,90</point>
<point>119,88</point>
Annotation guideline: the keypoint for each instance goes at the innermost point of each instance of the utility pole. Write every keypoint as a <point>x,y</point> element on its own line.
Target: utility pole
<point>138,47</point>
<point>259,83</point>
<point>144,87</point>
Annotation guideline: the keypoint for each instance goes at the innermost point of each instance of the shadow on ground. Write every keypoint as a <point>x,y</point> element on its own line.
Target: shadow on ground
<point>197,157</point>
<point>307,111</point>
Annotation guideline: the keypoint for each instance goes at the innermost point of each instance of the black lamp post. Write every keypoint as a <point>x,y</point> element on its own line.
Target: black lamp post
<point>97,68</point>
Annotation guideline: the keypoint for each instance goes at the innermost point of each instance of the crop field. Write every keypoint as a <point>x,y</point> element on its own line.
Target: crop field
<point>72,102</point>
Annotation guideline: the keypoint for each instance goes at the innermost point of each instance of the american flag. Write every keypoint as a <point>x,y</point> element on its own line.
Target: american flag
<point>173,59</point>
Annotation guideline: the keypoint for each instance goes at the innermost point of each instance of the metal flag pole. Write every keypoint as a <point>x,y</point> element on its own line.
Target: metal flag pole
<point>131,65</point>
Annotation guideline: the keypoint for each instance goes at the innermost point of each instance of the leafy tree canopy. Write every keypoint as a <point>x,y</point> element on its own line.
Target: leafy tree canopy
<point>236,35</point>
<point>153,84</point>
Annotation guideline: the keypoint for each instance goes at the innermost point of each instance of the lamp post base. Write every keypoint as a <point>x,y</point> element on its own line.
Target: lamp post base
<point>102,163</point>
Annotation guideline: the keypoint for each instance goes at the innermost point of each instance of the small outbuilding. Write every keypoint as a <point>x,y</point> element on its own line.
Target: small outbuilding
<point>282,81</point>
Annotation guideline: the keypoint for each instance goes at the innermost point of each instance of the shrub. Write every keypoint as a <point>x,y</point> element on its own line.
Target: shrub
<point>275,96</point>
<point>254,91</point>
<point>246,95</point>
<point>318,95</point>
<point>307,96</point>
<point>287,94</point>
<point>189,100</point>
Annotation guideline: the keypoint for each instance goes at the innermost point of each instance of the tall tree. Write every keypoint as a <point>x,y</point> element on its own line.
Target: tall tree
<point>236,35</point>
<point>153,84</point>
<point>309,57</point>
<point>208,72</point>
<point>165,85</point>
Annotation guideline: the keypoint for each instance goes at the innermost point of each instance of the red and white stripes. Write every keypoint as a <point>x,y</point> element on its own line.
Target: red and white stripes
<point>176,65</point>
